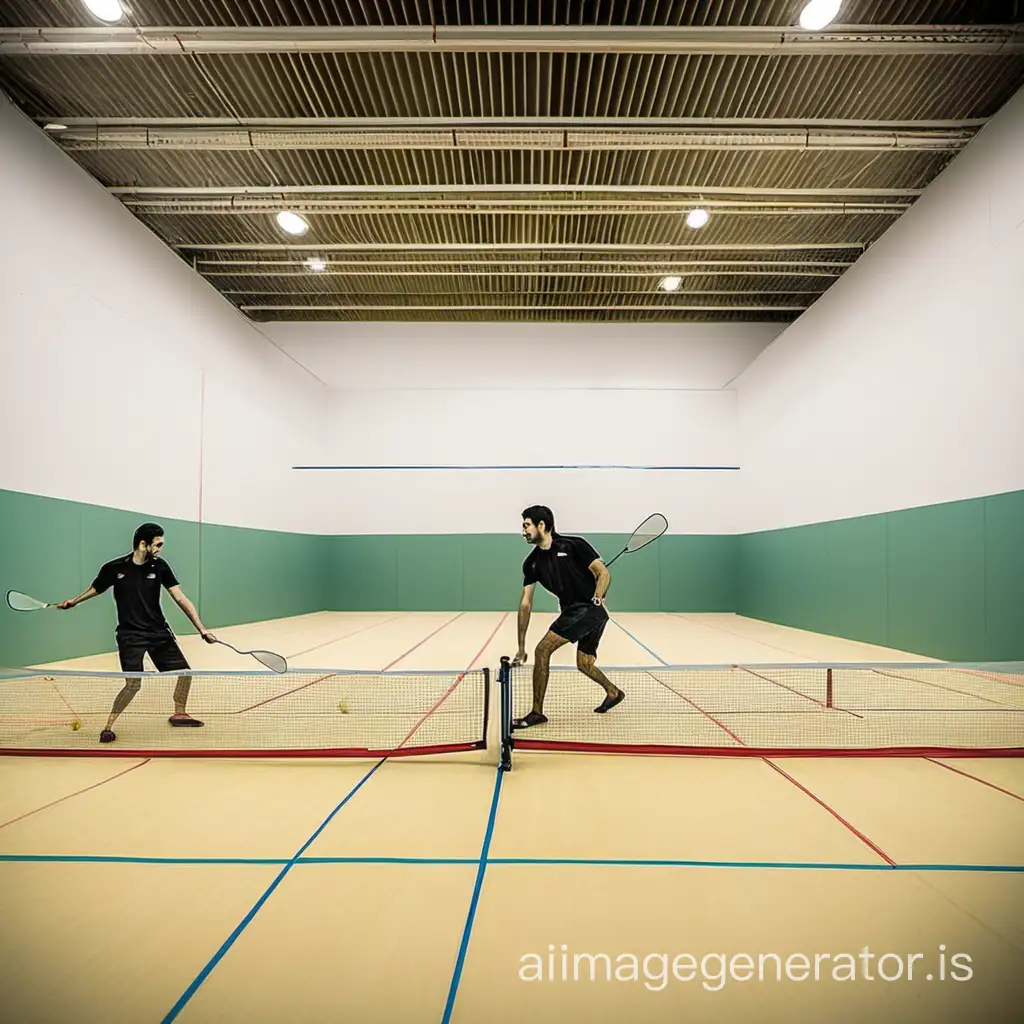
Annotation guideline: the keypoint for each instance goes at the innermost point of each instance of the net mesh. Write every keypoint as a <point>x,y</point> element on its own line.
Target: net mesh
<point>779,709</point>
<point>308,712</point>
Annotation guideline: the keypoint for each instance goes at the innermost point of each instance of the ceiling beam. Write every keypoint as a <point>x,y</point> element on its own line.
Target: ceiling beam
<point>782,40</point>
<point>185,207</point>
<point>526,121</point>
<point>595,307</point>
<point>468,190</point>
<point>534,139</point>
<point>612,247</point>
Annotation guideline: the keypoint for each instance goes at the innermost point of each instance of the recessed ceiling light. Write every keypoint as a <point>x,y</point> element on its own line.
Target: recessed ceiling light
<point>316,263</point>
<point>292,223</point>
<point>54,126</point>
<point>697,218</point>
<point>819,14</point>
<point>670,284</point>
<point>106,10</point>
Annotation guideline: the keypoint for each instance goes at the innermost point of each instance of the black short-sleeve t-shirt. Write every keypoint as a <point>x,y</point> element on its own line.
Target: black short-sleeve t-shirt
<point>137,594</point>
<point>564,569</point>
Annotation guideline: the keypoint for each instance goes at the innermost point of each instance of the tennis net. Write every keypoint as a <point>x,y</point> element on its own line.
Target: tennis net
<point>757,710</point>
<point>312,713</point>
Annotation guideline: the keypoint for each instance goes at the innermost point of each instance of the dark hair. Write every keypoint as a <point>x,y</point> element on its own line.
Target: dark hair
<point>147,532</point>
<point>540,514</point>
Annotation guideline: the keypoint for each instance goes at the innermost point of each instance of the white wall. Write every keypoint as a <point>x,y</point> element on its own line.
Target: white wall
<point>902,385</point>
<point>119,366</point>
<point>528,395</point>
<point>518,356</point>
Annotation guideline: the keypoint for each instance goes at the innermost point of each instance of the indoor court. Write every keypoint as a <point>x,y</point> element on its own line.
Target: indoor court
<point>313,313</point>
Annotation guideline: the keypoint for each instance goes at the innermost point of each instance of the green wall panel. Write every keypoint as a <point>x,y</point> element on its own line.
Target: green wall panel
<point>492,571</point>
<point>364,574</point>
<point>251,575</point>
<point>856,592</point>
<point>1004,577</point>
<point>52,549</point>
<point>696,573</point>
<point>944,581</point>
<point>936,568</point>
<point>429,572</point>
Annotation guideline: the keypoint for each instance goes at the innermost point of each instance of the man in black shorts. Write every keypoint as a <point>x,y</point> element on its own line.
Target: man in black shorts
<point>141,626</point>
<point>573,571</point>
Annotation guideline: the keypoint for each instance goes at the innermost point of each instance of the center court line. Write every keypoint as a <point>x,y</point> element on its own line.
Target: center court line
<point>77,792</point>
<point>460,960</point>
<point>82,858</point>
<point>968,775</point>
<point>230,941</point>
<point>835,814</point>
<point>451,689</point>
<point>331,675</point>
<point>949,689</point>
<point>416,646</point>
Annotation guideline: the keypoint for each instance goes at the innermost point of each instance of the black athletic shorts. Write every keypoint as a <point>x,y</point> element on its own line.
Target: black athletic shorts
<point>163,649</point>
<point>583,625</point>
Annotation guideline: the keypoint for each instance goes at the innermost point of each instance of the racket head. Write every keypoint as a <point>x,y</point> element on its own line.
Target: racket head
<point>649,530</point>
<point>20,602</point>
<point>275,662</point>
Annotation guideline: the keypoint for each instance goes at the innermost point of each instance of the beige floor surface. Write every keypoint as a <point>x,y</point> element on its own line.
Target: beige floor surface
<point>367,925</point>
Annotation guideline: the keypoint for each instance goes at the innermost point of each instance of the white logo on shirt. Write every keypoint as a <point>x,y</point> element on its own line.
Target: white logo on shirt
<point>120,575</point>
<point>151,576</point>
<point>562,554</point>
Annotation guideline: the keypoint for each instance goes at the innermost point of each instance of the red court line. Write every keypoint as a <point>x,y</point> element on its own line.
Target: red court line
<point>775,682</point>
<point>835,814</point>
<point>77,792</point>
<point>287,693</point>
<point>1009,680</point>
<point>422,642</point>
<point>319,679</point>
<point>344,636</point>
<point>264,752</point>
<point>762,752</point>
<point>462,676</point>
<point>939,686</point>
<point>672,689</point>
<point>976,778</point>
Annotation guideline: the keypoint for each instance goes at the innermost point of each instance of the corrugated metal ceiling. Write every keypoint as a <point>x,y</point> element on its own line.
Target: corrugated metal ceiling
<point>503,136</point>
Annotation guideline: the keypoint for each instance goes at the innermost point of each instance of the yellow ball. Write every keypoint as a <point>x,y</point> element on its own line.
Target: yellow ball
<point>76,725</point>
<point>343,707</point>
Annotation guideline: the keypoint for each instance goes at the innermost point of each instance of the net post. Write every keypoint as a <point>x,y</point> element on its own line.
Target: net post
<point>505,685</point>
<point>828,688</point>
<point>487,704</point>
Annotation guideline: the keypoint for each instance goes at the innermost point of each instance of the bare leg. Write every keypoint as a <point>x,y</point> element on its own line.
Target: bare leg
<point>548,645</point>
<point>123,699</point>
<point>181,694</point>
<point>587,664</point>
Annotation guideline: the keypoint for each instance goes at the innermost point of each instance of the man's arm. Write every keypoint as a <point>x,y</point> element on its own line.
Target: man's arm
<point>603,577</point>
<point>190,610</point>
<point>525,609</point>
<point>84,596</point>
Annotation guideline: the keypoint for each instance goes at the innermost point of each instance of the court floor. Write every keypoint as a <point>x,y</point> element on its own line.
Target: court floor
<point>577,887</point>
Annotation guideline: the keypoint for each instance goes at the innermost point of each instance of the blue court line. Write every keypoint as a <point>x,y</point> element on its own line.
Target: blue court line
<point>642,644</point>
<point>74,858</point>
<point>453,988</point>
<point>790,865</point>
<point>712,469</point>
<point>230,941</point>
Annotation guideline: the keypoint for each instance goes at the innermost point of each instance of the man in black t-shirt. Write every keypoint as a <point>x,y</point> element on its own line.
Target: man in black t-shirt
<point>572,570</point>
<point>136,580</point>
